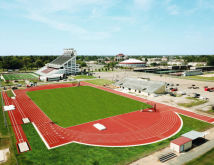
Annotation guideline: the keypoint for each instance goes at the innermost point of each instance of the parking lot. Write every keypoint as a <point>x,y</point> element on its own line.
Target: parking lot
<point>184,86</point>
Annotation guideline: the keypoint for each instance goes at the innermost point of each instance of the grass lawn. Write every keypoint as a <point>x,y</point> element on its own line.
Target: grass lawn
<point>20,76</point>
<point>100,82</point>
<point>10,93</point>
<point>10,83</point>
<point>83,77</point>
<point>195,102</point>
<point>74,154</point>
<point>201,78</point>
<point>206,159</point>
<point>76,105</point>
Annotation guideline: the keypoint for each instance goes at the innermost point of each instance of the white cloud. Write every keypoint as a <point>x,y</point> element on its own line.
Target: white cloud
<point>173,9</point>
<point>144,4</point>
<point>46,12</point>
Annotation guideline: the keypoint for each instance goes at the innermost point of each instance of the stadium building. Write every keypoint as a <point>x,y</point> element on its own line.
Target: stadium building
<point>60,67</point>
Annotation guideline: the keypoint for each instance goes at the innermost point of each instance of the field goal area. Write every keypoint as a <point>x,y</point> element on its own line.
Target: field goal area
<point>20,76</point>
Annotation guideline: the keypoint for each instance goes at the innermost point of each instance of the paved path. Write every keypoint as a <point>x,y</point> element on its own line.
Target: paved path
<point>192,154</point>
<point>181,158</point>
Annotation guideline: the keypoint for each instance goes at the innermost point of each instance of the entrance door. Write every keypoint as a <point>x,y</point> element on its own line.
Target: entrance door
<point>182,148</point>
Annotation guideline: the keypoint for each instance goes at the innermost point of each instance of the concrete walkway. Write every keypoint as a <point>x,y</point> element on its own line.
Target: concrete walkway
<point>192,154</point>
<point>181,158</point>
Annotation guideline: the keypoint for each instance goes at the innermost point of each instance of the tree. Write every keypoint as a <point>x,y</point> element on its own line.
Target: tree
<point>83,64</point>
<point>39,63</point>
<point>210,61</point>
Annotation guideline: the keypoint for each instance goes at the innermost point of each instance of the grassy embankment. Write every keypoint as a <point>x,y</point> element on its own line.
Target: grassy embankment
<point>7,138</point>
<point>195,102</point>
<point>83,77</point>
<point>100,82</point>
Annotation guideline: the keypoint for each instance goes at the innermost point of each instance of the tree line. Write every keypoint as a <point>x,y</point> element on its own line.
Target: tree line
<point>24,62</point>
<point>32,62</point>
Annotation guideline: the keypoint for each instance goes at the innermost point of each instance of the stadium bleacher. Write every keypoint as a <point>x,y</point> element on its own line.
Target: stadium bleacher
<point>48,70</point>
<point>61,66</point>
<point>61,59</point>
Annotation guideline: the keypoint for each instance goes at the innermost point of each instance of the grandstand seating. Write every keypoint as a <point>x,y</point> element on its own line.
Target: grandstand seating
<point>48,70</point>
<point>61,59</point>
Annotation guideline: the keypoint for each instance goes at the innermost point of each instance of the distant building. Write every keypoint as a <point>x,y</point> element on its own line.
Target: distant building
<point>100,60</point>
<point>132,63</point>
<point>197,63</point>
<point>61,66</point>
<point>164,59</point>
<point>155,60</point>
<point>120,57</point>
<point>176,62</point>
<point>91,62</point>
<point>192,73</point>
<point>203,68</point>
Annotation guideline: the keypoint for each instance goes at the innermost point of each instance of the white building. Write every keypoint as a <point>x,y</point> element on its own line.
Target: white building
<point>176,62</point>
<point>120,57</point>
<point>132,63</point>
<point>181,144</point>
<point>197,63</point>
<point>192,73</point>
<point>164,58</point>
<point>61,66</point>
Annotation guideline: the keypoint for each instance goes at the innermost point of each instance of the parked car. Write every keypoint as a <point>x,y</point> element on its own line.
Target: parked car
<point>13,88</point>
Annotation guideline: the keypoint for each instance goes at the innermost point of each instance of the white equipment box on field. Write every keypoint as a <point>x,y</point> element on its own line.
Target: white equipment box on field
<point>23,147</point>
<point>25,120</point>
<point>99,126</point>
<point>9,107</point>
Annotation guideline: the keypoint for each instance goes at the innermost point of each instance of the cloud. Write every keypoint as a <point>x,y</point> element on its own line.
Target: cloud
<point>66,15</point>
<point>173,9</point>
<point>144,4</point>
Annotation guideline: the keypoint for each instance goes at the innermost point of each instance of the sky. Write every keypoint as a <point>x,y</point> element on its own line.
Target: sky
<point>107,27</point>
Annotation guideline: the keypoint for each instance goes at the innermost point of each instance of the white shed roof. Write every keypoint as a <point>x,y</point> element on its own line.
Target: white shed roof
<point>193,135</point>
<point>132,61</point>
<point>141,84</point>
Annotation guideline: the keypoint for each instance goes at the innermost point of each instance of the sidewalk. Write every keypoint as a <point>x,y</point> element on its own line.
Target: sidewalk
<point>181,158</point>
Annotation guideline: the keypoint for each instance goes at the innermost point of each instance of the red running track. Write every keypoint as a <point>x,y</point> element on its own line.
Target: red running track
<point>131,129</point>
<point>16,120</point>
<point>160,106</point>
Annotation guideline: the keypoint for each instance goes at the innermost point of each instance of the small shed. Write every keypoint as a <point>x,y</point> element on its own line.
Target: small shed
<point>181,144</point>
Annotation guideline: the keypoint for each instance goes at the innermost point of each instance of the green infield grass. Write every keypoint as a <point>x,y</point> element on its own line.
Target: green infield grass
<point>100,82</point>
<point>77,105</point>
<point>20,76</point>
<point>84,77</point>
<point>74,154</point>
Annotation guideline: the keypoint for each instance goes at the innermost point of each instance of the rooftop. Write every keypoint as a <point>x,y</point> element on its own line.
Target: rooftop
<point>132,61</point>
<point>193,135</point>
<point>181,140</point>
<point>120,54</point>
